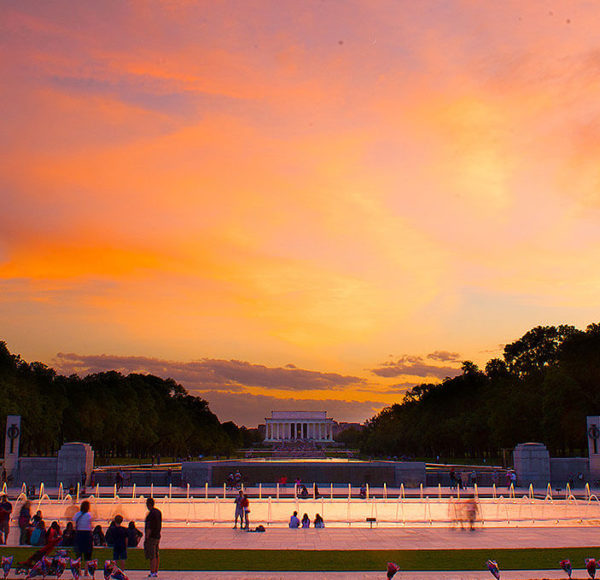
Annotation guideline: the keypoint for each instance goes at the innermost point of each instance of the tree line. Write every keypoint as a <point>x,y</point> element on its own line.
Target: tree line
<point>541,390</point>
<point>135,415</point>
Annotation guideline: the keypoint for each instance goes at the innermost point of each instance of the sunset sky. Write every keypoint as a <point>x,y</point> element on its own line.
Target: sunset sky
<point>295,204</point>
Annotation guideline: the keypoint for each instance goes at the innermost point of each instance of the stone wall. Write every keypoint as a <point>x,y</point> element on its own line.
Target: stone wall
<point>321,472</point>
<point>36,470</point>
<point>74,460</point>
<point>563,469</point>
<point>532,464</point>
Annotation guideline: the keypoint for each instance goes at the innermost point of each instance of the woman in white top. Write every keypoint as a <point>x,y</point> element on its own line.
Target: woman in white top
<point>83,532</point>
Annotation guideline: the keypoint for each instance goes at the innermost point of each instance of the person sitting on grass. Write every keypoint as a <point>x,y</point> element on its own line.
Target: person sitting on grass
<point>68,538</point>
<point>109,534</point>
<point>53,534</point>
<point>294,521</point>
<point>133,535</point>
<point>98,537</point>
<point>38,536</point>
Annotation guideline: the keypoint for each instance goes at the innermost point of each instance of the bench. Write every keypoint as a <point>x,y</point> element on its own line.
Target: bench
<point>372,521</point>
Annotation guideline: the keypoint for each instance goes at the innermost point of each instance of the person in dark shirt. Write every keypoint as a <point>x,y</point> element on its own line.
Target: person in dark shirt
<point>153,526</point>
<point>108,536</point>
<point>119,538</point>
<point>98,536</point>
<point>5,511</point>
<point>133,535</point>
<point>68,538</point>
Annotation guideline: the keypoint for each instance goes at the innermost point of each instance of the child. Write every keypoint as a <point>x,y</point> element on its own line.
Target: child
<point>119,537</point>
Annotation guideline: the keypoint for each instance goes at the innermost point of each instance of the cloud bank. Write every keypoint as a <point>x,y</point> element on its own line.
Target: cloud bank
<point>208,373</point>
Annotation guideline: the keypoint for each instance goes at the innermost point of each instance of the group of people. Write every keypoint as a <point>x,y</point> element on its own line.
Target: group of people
<point>118,536</point>
<point>234,480</point>
<point>83,536</point>
<point>32,529</point>
<point>303,493</point>
<point>295,522</point>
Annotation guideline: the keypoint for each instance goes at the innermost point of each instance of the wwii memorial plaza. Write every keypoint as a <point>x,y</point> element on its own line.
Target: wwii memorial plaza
<point>301,289</point>
<point>386,507</point>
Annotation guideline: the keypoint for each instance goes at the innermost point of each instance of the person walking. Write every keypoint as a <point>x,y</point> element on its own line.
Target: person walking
<point>239,510</point>
<point>152,528</point>
<point>83,533</point>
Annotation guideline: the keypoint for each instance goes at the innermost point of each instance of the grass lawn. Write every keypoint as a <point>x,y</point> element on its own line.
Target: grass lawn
<point>340,560</point>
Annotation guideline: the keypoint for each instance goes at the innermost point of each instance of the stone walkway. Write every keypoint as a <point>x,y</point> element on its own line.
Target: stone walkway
<point>380,539</point>
<point>375,539</point>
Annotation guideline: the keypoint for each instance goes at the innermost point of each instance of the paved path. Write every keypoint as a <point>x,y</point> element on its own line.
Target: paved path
<point>380,539</point>
<point>375,539</point>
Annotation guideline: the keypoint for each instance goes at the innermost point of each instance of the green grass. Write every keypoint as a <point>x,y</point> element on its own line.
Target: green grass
<point>342,560</point>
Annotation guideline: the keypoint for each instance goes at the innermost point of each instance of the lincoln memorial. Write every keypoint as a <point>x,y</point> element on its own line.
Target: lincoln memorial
<point>299,425</point>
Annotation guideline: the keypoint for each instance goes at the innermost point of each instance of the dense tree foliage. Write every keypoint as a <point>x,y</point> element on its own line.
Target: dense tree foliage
<point>542,390</point>
<point>138,415</point>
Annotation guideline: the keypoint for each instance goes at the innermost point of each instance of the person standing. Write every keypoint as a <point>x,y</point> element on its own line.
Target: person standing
<point>5,511</point>
<point>119,535</point>
<point>246,508</point>
<point>152,536</point>
<point>239,510</point>
<point>83,533</point>
<point>24,523</point>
